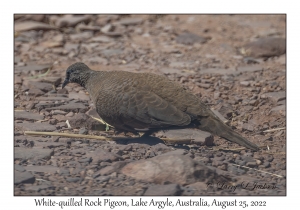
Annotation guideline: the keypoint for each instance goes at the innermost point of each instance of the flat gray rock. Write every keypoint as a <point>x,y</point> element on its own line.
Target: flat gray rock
<point>19,168</point>
<point>217,71</point>
<point>179,169</point>
<point>44,169</point>
<point>275,96</point>
<point>32,25</point>
<point>130,21</point>
<point>23,177</point>
<point>23,115</point>
<point>197,136</point>
<point>248,127</point>
<point>27,126</point>
<point>279,108</point>
<point>32,67</point>
<point>190,38</point>
<point>27,153</point>
<point>100,155</point>
<point>71,20</point>
<point>43,86</point>
<point>265,47</point>
<point>251,68</point>
<point>69,107</point>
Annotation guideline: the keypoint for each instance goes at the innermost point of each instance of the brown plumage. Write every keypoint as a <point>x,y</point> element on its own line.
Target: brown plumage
<point>149,102</point>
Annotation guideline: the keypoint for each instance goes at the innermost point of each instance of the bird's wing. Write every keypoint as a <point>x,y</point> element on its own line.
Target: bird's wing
<point>148,108</point>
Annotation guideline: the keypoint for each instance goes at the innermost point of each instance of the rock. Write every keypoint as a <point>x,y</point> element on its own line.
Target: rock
<point>217,95</point>
<point>27,126</point>
<point>52,44</point>
<point>190,38</point>
<point>26,153</point>
<point>176,152</point>
<point>35,92</point>
<point>45,169</point>
<point>18,80</point>
<point>98,60</point>
<point>248,127</point>
<point>163,190</point>
<point>266,164</point>
<point>101,179</point>
<point>251,164</point>
<point>37,188</point>
<point>198,137</point>
<point>22,115</point>
<point>47,104</point>
<point>78,120</point>
<point>106,170</point>
<point>83,27</point>
<point>49,145</point>
<point>248,108</point>
<point>111,52</point>
<point>46,87</point>
<point>72,106</point>
<point>83,131</point>
<point>249,68</point>
<point>217,71</point>
<point>32,67</point>
<point>265,47</point>
<point>275,96</point>
<point>130,21</point>
<point>245,83</point>
<point>178,169</point>
<point>23,177</point>
<point>81,36</point>
<point>58,112</point>
<point>71,20</point>
<point>85,160</point>
<point>100,155</point>
<point>32,25</point>
<point>258,162</point>
<point>118,165</point>
<point>19,168</point>
<point>279,108</point>
<point>282,102</point>
<point>56,98</point>
<point>103,39</point>
<point>71,47</point>
<point>204,85</point>
<point>73,179</point>
<point>52,80</point>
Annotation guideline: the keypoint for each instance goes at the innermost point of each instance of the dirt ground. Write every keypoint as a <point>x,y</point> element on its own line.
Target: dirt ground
<point>235,63</point>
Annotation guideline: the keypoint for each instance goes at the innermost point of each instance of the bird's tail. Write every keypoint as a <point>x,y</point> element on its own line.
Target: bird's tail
<point>217,127</point>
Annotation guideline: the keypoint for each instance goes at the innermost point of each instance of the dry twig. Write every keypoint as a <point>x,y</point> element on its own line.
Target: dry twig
<point>258,170</point>
<point>36,133</point>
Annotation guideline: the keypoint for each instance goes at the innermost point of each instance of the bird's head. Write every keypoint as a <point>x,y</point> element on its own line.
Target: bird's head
<point>76,73</point>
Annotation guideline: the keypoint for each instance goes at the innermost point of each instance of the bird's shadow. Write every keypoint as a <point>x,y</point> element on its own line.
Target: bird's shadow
<point>149,140</point>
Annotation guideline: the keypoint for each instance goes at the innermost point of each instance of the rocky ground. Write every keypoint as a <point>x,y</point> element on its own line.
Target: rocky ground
<point>235,63</point>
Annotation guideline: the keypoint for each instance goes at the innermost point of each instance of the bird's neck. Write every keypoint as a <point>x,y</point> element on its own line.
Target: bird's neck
<point>85,77</point>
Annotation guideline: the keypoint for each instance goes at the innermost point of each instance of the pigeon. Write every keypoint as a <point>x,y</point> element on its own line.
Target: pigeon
<point>146,102</point>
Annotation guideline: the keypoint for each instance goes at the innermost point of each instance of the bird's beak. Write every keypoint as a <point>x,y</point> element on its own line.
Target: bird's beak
<point>65,83</point>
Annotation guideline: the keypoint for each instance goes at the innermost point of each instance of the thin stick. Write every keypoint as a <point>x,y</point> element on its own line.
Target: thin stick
<point>258,170</point>
<point>275,129</point>
<point>37,133</point>
<point>236,149</point>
